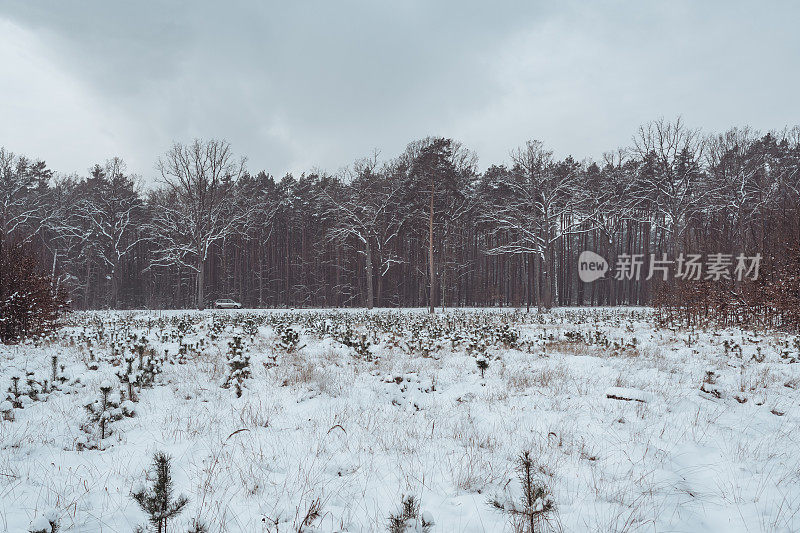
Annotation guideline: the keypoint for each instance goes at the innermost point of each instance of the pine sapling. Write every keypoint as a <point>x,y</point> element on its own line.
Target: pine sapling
<point>238,365</point>
<point>46,523</point>
<point>14,391</point>
<point>197,526</point>
<point>409,519</point>
<point>507,336</point>
<point>7,411</point>
<point>32,385</point>
<point>129,377</point>
<point>149,370</point>
<point>361,346</point>
<point>483,364</point>
<point>288,339</point>
<point>57,377</point>
<point>139,348</point>
<point>103,411</point>
<point>157,501</point>
<point>532,510</point>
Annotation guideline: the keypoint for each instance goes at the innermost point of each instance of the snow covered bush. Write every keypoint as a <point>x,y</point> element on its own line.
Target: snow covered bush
<point>22,393</point>
<point>288,339</point>
<point>14,395</point>
<point>357,341</point>
<point>7,411</point>
<point>57,375</point>
<point>238,365</point>
<point>151,367</point>
<point>102,411</point>
<point>409,519</point>
<point>507,336</point>
<point>129,377</point>
<point>197,527</point>
<point>46,523</point>
<point>30,303</point>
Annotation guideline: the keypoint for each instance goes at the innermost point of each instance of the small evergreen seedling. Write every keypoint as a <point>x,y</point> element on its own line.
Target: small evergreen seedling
<point>100,410</point>
<point>197,527</point>
<point>7,411</point>
<point>361,346</point>
<point>250,327</point>
<point>483,364</point>
<point>14,391</point>
<point>532,510</point>
<point>238,365</point>
<point>57,377</point>
<point>409,519</point>
<point>150,368</point>
<point>157,501</point>
<point>288,339</point>
<point>103,411</point>
<point>47,523</point>
<point>129,377</point>
<point>33,386</point>
<point>507,336</point>
<point>140,346</point>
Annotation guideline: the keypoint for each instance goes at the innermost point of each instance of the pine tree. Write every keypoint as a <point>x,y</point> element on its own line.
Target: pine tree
<point>129,377</point>
<point>238,365</point>
<point>409,519</point>
<point>103,411</point>
<point>483,364</point>
<point>157,501</point>
<point>534,507</point>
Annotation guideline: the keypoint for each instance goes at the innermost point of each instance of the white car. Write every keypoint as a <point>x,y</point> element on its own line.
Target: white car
<point>227,303</point>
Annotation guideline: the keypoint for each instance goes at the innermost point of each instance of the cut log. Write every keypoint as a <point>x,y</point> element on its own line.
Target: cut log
<point>629,395</point>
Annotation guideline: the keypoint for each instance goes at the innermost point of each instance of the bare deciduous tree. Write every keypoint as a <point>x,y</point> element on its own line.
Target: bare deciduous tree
<point>367,212</point>
<point>23,197</point>
<point>197,209</point>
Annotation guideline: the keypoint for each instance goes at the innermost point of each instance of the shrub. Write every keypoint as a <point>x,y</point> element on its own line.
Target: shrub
<point>238,365</point>
<point>47,523</point>
<point>409,519</point>
<point>30,304</point>
<point>107,408</point>
<point>288,339</point>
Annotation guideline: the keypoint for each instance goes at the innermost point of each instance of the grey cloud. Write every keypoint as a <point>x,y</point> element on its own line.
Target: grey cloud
<point>300,84</point>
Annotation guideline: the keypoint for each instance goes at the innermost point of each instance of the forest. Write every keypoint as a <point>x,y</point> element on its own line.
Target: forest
<point>424,228</point>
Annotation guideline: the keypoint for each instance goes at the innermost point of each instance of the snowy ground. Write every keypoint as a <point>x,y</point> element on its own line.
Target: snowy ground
<point>631,427</point>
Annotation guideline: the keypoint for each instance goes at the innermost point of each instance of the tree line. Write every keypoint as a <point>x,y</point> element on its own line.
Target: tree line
<point>424,228</point>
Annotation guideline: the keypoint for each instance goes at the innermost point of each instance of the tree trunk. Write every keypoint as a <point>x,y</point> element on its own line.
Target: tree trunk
<point>432,271</point>
<point>87,285</point>
<point>200,282</point>
<point>379,294</point>
<point>528,282</point>
<point>547,289</point>
<point>370,294</point>
<point>260,281</point>
<point>114,287</point>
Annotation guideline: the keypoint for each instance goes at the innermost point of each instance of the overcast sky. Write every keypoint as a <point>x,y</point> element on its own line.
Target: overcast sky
<point>302,85</point>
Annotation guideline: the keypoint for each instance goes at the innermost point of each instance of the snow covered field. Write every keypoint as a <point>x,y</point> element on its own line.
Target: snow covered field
<point>630,427</point>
